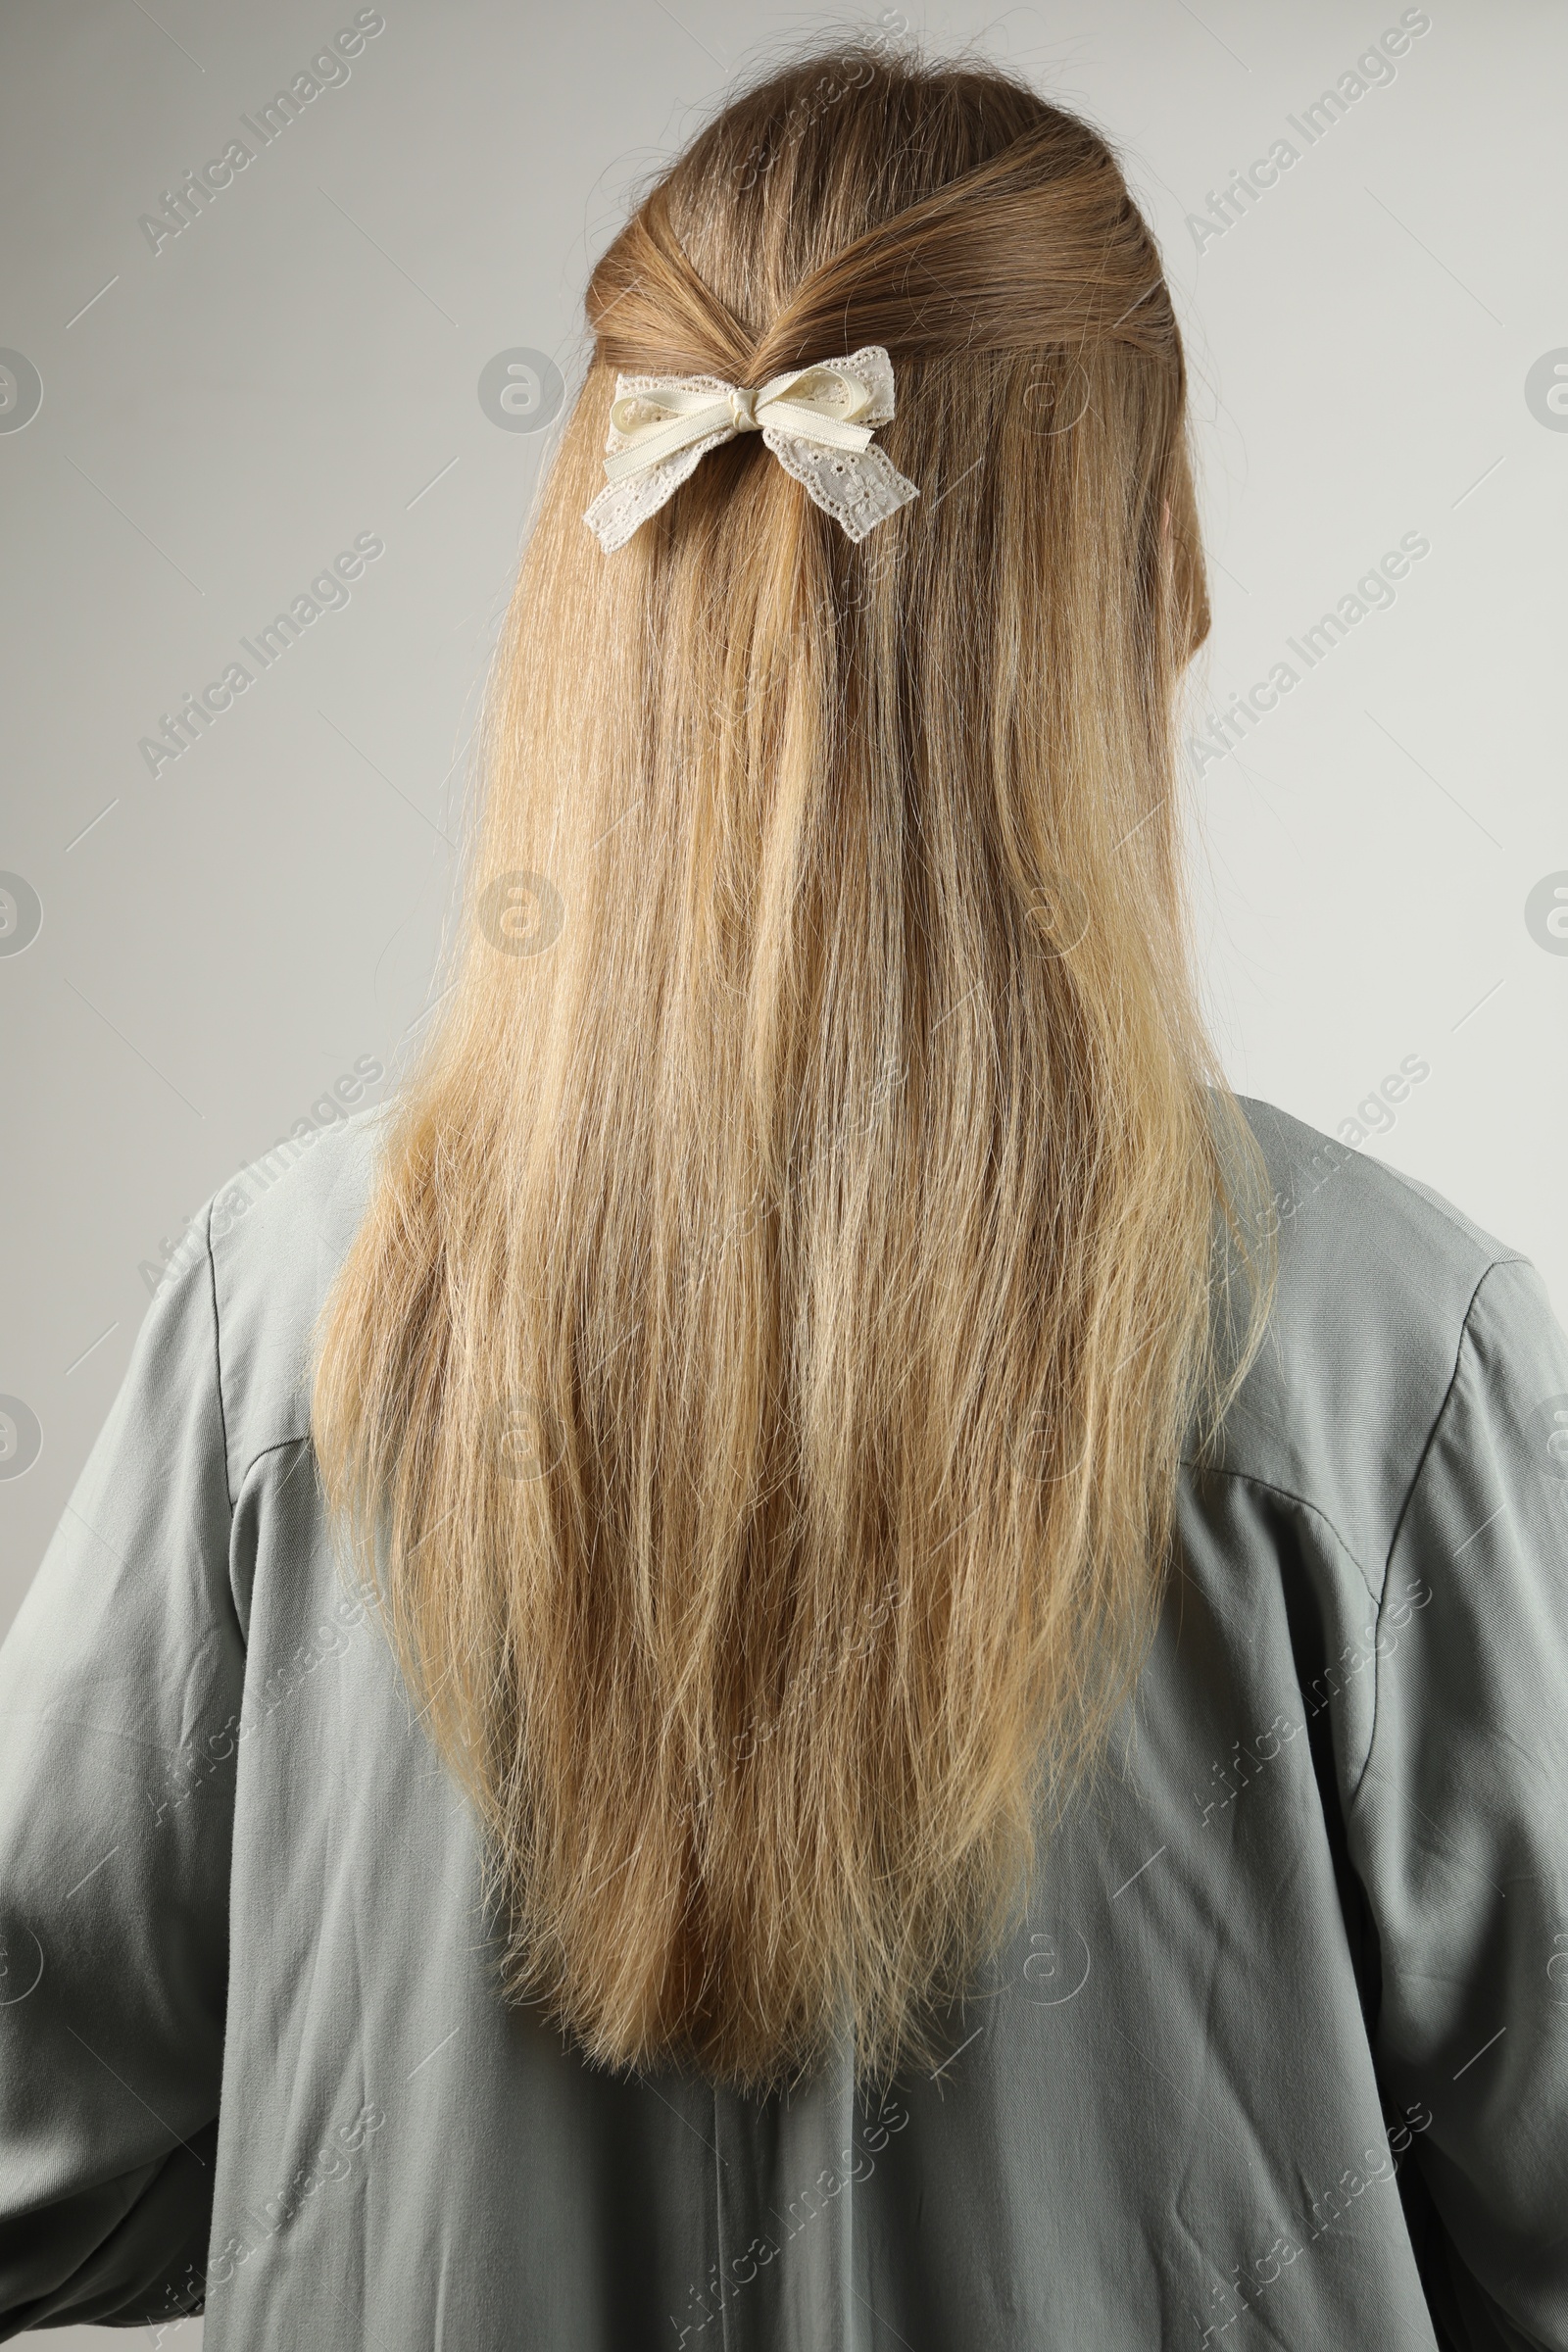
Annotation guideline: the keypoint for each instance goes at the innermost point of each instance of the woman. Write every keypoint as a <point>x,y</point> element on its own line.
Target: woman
<point>822,1655</point>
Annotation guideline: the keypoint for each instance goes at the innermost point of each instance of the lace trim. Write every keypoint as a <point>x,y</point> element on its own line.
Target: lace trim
<point>859,488</point>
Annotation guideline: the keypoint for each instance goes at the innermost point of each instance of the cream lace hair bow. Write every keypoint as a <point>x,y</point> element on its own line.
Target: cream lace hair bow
<point>817,421</point>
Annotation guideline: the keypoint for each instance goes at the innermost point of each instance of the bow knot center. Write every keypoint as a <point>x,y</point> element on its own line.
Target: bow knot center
<point>742,409</point>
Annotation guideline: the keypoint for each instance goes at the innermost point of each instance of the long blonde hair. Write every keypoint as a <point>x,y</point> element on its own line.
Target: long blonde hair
<point>759,1384</point>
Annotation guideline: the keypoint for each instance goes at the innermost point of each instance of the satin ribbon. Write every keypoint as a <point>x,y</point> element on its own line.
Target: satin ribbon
<point>811,404</point>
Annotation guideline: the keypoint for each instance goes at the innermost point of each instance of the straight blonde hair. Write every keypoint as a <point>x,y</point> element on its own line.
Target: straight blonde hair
<point>757,1388</point>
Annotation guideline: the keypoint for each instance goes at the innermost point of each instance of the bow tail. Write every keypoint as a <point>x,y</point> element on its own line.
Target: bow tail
<point>621,506</point>
<point>859,488</point>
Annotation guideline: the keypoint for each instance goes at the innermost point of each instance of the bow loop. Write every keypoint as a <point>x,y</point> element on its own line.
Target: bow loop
<point>818,420</point>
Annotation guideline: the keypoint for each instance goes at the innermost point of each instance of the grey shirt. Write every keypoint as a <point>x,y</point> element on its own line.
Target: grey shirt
<point>1280,2056</point>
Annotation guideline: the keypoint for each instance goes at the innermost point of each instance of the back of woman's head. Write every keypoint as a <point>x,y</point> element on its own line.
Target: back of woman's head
<point>761,1379</point>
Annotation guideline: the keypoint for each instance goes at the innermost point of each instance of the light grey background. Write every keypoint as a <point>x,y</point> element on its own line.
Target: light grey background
<point>220,419</point>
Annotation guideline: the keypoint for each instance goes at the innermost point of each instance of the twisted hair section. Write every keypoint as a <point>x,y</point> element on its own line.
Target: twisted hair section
<point>1040,245</point>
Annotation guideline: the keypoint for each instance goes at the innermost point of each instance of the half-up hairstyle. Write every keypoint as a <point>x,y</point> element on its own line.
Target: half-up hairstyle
<point>802,1254</point>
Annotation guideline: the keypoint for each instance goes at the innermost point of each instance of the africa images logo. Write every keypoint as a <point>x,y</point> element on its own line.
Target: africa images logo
<point>21,1436</point>
<point>1373,70</point>
<point>21,913</point>
<point>1548,1432</point>
<point>1546,390</point>
<point>183,204</point>
<point>1546,913</point>
<point>329,592</point>
<point>521,389</point>
<point>21,391</point>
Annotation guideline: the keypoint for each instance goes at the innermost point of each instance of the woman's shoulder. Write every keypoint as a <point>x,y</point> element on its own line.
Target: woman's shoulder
<point>1380,1276</point>
<point>277,1233</point>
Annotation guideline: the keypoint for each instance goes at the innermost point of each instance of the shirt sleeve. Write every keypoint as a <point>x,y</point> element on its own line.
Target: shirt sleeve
<point>1459,1831</point>
<point>119,1694</point>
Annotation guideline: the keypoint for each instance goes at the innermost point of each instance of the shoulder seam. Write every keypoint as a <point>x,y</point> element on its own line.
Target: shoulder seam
<point>1271,1485</point>
<point>239,1182</point>
<point>1512,1258</point>
<point>1377,1594</point>
<point>218,1355</point>
<point>277,1445</point>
